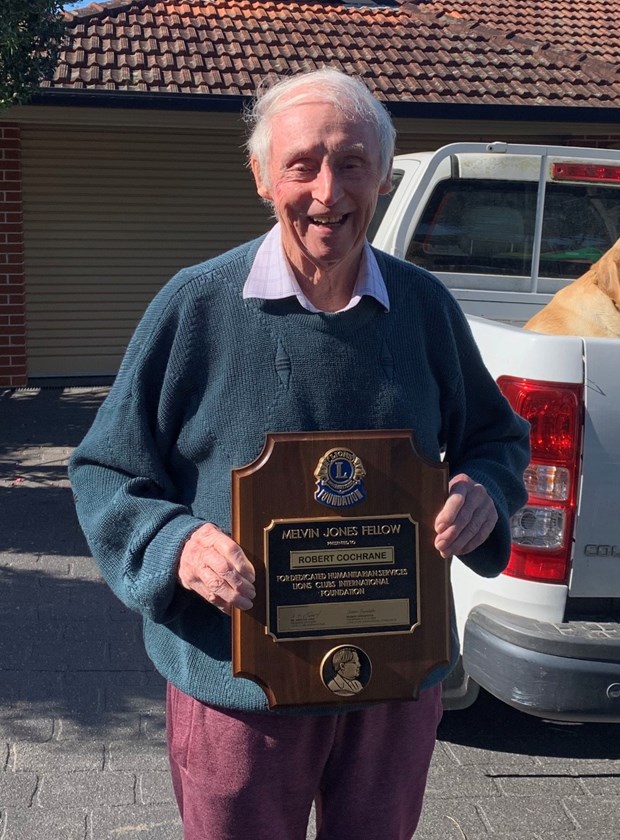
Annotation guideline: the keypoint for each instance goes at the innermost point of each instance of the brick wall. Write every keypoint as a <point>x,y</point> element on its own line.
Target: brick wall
<point>611,141</point>
<point>13,371</point>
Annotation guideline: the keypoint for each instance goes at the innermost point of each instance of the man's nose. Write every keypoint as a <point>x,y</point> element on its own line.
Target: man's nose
<point>327,187</point>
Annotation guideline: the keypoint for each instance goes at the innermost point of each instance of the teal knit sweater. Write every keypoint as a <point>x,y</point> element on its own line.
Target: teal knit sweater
<point>208,374</point>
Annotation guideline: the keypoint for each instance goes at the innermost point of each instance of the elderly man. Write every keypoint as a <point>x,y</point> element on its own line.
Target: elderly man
<point>307,328</point>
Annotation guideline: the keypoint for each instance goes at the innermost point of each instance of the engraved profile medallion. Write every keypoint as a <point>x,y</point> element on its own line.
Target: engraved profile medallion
<point>346,670</point>
<point>339,479</point>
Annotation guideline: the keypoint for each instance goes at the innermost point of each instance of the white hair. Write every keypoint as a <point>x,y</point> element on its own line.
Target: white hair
<point>347,93</point>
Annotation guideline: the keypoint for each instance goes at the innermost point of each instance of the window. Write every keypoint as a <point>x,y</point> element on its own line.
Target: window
<point>487,227</point>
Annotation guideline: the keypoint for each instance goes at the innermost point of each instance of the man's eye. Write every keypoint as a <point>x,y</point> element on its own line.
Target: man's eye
<point>352,165</point>
<point>301,166</point>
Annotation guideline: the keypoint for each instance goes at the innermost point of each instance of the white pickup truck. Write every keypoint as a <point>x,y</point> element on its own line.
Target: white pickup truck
<point>504,226</point>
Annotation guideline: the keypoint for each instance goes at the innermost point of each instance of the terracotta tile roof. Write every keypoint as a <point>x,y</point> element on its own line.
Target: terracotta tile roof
<point>585,27</point>
<point>412,52</point>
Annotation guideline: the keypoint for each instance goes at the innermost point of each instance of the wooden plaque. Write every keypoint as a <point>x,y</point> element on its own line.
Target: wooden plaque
<point>352,599</point>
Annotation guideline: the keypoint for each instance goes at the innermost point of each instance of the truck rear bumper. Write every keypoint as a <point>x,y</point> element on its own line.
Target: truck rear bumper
<point>557,671</point>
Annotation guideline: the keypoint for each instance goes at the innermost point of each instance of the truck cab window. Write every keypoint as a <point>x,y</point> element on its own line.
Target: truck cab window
<point>486,227</point>
<point>476,227</point>
<point>580,223</point>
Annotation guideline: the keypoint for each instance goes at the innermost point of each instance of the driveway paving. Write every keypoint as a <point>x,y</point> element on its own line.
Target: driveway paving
<point>82,743</point>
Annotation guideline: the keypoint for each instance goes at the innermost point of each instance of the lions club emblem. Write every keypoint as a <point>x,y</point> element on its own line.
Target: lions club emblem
<point>339,479</point>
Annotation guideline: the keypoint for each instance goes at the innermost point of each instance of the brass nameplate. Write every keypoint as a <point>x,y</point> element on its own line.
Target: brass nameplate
<point>333,577</point>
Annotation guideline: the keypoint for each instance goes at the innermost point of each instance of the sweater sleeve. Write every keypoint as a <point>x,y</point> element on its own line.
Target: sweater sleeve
<point>486,440</point>
<point>127,504</point>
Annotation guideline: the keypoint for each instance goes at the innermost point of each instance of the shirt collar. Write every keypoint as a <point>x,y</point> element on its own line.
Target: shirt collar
<point>271,277</point>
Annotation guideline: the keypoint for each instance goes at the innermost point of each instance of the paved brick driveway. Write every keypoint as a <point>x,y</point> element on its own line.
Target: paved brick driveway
<point>82,753</point>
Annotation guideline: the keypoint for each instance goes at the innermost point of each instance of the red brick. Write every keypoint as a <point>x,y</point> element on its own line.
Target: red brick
<point>12,259</point>
<point>18,376</point>
<point>13,370</point>
<point>13,381</point>
<point>9,180</point>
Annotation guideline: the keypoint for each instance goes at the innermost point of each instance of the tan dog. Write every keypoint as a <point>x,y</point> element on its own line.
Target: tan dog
<point>589,306</point>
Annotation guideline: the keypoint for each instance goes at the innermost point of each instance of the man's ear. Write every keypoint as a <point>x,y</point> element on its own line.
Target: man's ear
<point>261,186</point>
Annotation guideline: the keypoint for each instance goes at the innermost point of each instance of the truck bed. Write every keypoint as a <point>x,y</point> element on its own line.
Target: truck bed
<point>596,363</point>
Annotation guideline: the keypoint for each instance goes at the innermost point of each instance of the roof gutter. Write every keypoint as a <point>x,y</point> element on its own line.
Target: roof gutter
<point>140,100</point>
<point>224,103</point>
<point>498,113</point>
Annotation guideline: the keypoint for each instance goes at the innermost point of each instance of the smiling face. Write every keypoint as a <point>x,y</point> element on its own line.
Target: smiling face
<point>323,181</point>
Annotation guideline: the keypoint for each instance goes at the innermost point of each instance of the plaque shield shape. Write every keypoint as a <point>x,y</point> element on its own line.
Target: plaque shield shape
<point>352,599</point>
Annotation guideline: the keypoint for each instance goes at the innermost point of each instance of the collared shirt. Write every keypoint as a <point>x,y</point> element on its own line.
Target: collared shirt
<point>272,278</point>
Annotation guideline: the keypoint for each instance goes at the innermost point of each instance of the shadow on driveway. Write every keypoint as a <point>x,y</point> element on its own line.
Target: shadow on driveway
<point>69,650</point>
<point>492,725</point>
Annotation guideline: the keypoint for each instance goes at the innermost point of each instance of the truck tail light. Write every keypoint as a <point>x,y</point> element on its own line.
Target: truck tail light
<point>588,172</point>
<point>542,529</point>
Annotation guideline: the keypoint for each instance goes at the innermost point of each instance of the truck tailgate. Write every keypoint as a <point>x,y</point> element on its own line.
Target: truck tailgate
<point>596,559</point>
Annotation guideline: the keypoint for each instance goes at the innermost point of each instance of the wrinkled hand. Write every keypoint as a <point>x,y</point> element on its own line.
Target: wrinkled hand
<point>215,567</point>
<point>466,519</point>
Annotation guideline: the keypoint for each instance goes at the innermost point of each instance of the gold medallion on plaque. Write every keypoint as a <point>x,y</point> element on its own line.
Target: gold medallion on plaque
<point>346,670</point>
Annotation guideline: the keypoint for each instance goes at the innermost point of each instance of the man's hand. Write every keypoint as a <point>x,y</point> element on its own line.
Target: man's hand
<point>466,519</point>
<point>215,567</point>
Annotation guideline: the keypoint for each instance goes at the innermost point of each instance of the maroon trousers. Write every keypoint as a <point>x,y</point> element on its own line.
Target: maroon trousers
<point>241,775</point>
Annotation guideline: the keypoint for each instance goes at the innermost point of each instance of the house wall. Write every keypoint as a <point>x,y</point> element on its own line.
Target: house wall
<point>106,205</point>
<point>13,368</point>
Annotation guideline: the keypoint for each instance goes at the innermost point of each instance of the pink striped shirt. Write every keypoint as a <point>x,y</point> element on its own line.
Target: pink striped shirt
<point>272,278</point>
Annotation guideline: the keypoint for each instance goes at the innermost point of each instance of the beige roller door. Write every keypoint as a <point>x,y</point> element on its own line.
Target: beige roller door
<point>110,214</point>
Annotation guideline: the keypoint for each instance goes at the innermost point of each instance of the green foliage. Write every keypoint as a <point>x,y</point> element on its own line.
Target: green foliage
<point>31,33</point>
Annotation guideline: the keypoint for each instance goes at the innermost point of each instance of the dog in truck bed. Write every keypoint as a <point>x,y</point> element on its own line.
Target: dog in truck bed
<point>589,306</point>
